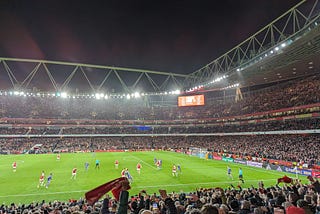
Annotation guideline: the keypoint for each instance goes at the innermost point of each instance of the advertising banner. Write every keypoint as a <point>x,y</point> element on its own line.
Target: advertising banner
<point>315,173</point>
<point>280,162</point>
<point>254,164</point>
<point>227,159</point>
<point>274,167</point>
<point>240,161</point>
<point>305,172</point>
<point>215,157</point>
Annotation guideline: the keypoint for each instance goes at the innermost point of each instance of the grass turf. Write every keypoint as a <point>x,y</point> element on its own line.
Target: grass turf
<point>21,186</point>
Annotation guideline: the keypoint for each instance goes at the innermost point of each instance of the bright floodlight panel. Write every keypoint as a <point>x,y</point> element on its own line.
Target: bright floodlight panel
<point>193,100</point>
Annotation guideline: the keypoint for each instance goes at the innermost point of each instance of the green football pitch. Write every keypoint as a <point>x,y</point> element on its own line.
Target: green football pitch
<point>21,186</point>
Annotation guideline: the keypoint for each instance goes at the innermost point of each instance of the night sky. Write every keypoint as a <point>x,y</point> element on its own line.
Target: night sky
<point>168,35</point>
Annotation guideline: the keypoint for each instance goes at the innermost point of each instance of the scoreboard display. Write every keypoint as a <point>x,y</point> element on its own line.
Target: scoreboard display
<point>193,100</point>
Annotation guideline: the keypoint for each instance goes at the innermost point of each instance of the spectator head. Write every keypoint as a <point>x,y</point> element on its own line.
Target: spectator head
<point>195,211</point>
<point>293,197</point>
<point>202,200</point>
<point>134,205</point>
<point>245,205</point>
<point>189,208</point>
<point>209,209</point>
<point>234,205</point>
<point>280,199</point>
<point>302,203</point>
<point>180,209</point>
<point>146,212</point>
<point>224,208</point>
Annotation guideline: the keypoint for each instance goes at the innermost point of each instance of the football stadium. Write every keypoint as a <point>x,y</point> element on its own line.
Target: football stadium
<point>239,135</point>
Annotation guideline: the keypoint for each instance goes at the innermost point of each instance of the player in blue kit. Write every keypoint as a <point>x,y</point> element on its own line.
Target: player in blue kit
<point>86,166</point>
<point>128,175</point>
<point>49,178</point>
<point>229,172</point>
<point>179,169</point>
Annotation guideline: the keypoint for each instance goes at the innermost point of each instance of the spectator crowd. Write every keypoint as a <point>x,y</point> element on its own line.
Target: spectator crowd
<point>289,94</point>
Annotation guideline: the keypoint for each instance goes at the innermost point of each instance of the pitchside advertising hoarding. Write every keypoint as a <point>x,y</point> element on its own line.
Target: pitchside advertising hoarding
<point>192,100</point>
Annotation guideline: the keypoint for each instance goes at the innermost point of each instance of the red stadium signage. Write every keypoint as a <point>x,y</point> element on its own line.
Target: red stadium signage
<point>194,100</point>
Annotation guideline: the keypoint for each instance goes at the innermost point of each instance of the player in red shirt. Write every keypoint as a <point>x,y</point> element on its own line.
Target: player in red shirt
<point>41,179</point>
<point>138,168</point>
<point>74,173</point>
<point>116,164</point>
<point>158,164</point>
<point>174,171</point>
<point>123,173</point>
<point>14,166</point>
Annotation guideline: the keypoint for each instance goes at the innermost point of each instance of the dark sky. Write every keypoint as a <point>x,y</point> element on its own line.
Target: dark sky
<point>166,35</point>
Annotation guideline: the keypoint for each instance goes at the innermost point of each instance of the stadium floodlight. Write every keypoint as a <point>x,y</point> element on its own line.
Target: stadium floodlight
<point>283,45</point>
<point>128,96</point>
<point>136,94</point>
<point>276,49</point>
<point>98,96</point>
<point>176,92</point>
<point>64,95</point>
